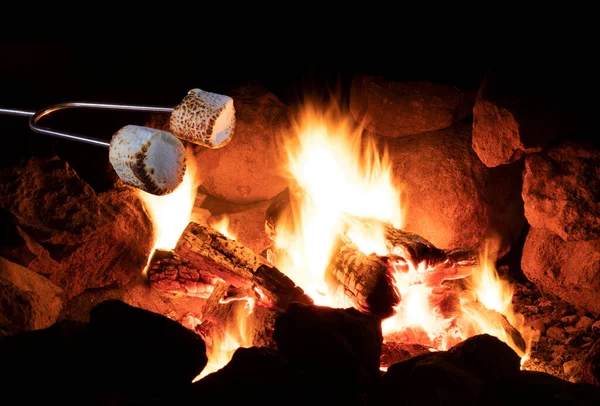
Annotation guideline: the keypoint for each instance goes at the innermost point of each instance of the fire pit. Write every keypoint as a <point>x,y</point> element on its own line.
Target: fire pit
<point>396,248</point>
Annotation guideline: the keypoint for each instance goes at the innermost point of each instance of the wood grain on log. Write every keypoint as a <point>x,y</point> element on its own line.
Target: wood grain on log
<point>367,280</point>
<point>168,272</point>
<point>237,265</point>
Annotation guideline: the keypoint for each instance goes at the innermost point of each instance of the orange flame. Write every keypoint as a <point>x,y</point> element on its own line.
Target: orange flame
<point>340,173</point>
<point>236,333</point>
<point>222,226</point>
<point>170,214</point>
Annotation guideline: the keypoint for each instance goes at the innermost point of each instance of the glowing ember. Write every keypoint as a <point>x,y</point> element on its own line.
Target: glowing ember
<point>170,214</point>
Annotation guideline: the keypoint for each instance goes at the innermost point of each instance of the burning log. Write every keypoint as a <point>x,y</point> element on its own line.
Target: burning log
<point>168,272</point>
<point>367,280</point>
<point>228,307</point>
<point>212,252</point>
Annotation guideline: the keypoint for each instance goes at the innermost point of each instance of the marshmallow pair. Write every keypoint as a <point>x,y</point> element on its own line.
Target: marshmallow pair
<point>154,160</point>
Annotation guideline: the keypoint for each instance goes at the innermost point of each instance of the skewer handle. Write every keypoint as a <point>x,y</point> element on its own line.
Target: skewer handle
<point>34,117</point>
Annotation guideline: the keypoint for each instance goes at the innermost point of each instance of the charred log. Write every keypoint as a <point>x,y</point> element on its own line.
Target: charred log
<point>226,307</point>
<point>209,250</point>
<point>168,272</point>
<point>367,280</point>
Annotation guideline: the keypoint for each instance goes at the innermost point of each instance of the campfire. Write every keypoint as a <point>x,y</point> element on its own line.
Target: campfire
<point>337,241</point>
<point>410,247</point>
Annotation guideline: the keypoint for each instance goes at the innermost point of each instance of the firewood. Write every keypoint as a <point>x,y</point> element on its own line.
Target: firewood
<point>168,272</point>
<point>367,280</point>
<point>209,250</point>
<point>223,311</point>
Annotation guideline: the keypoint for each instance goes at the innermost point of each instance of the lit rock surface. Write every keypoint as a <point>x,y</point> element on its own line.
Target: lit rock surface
<point>561,189</point>
<point>569,270</point>
<point>249,168</point>
<point>450,197</point>
<point>28,301</point>
<point>517,114</point>
<point>396,109</point>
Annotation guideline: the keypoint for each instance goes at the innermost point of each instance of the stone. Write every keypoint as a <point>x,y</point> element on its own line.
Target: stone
<point>488,358</point>
<point>115,253</point>
<point>596,326</point>
<point>572,319</point>
<point>122,353</point>
<point>571,368</point>
<point>395,109</point>
<point>257,375</point>
<point>568,270</point>
<point>539,326</point>
<point>249,168</point>
<point>90,241</point>
<point>450,197</point>
<point>46,198</point>
<point>28,301</point>
<point>556,333</point>
<point>560,191</point>
<point>532,387</point>
<point>141,348</point>
<point>427,379</point>
<point>517,115</point>
<point>341,347</point>
<point>590,369</point>
<point>584,323</point>
<point>244,222</point>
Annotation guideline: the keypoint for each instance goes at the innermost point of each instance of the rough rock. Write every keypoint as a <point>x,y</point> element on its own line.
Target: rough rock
<point>396,109</point>
<point>116,252</point>
<point>516,116</point>
<point>28,301</point>
<point>556,333</point>
<point>244,222</point>
<point>532,387</point>
<point>451,198</point>
<point>342,346</point>
<point>46,198</point>
<point>584,323</point>
<point>538,326</point>
<point>561,189</point>
<point>569,270</point>
<point>569,319</point>
<point>124,355</point>
<point>590,370</point>
<point>427,379</point>
<point>572,367</point>
<point>256,375</point>
<point>487,357</point>
<point>90,241</point>
<point>249,168</point>
<point>596,325</point>
<point>142,348</point>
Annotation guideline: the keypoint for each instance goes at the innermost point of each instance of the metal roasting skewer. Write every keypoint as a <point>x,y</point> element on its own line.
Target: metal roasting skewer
<point>35,116</point>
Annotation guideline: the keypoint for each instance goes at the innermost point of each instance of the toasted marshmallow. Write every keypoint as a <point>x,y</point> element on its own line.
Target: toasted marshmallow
<point>204,118</point>
<point>148,159</point>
